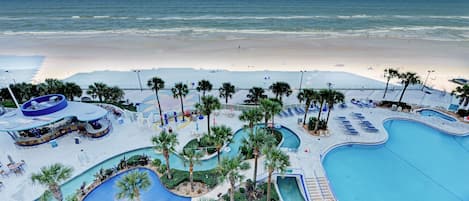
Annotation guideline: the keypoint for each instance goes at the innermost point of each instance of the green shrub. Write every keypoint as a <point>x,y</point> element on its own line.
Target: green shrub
<point>204,142</point>
<point>162,168</point>
<point>242,190</point>
<point>208,177</point>
<point>312,123</point>
<point>156,162</point>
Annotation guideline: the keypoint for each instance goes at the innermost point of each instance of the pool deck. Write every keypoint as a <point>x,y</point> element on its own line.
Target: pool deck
<point>132,135</point>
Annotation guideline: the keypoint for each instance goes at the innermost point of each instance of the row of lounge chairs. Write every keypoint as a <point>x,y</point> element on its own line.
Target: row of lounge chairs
<point>348,128</point>
<point>289,112</point>
<point>360,104</point>
<point>364,124</point>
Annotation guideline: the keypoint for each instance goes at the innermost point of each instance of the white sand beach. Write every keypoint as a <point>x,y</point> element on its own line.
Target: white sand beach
<point>67,55</point>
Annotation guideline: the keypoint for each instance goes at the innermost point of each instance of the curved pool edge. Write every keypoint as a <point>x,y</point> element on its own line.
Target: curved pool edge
<point>323,155</point>
<point>453,118</point>
<point>128,170</point>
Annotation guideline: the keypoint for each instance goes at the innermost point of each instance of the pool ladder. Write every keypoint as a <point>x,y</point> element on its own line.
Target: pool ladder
<point>319,189</point>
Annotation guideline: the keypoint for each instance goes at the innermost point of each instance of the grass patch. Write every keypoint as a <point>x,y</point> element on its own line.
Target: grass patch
<point>204,142</point>
<point>208,177</point>
<point>242,194</point>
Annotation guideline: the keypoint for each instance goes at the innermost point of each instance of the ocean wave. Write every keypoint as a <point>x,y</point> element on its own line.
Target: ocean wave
<point>414,32</point>
<point>213,17</point>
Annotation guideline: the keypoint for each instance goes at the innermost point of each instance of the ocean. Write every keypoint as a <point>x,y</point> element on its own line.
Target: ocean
<point>445,20</point>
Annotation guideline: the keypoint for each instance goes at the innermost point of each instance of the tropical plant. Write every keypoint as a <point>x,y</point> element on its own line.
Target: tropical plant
<point>180,91</point>
<point>332,98</point>
<point>389,73</point>
<point>230,169</point>
<point>407,79</point>
<point>307,95</point>
<point>51,86</point>
<point>255,95</point>
<point>321,98</point>
<point>226,91</point>
<point>71,90</point>
<point>165,143</point>
<point>463,94</point>
<point>191,156</point>
<point>113,94</point>
<point>51,176</point>
<point>157,84</point>
<point>257,141</point>
<point>131,184</point>
<point>275,160</point>
<point>97,90</point>
<point>209,104</point>
<point>280,89</point>
<point>204,86</point>
<point>270,108</point>
<point>220,135</point>
<point>252,117</point>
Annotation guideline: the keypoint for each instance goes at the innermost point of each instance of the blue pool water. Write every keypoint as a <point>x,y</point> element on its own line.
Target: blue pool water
<point>434,113</point>
<point>291,141</point>
<point>289,189</point>
<point>108,190</point>
<point>417,162</point>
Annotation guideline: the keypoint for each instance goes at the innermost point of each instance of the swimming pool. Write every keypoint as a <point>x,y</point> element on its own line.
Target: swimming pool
<point>289,188</point>
<point>291,141</point>
<point>434,113</point>
<point>418,162</point>
<point>108,189</point>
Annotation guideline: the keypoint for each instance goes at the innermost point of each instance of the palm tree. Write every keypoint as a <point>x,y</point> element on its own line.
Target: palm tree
<point>52,86</point>
<point>389,73</point>
<point>156,84</point>
<point>113,94</point>
<point>71,90</point>
<point>252,117</point>
<point>463,94</point>
<point>191,156</point>
<point>98,89</point>
<point>275,160</point>
<point>321,98</point>
<point>407,79</point>
<point>226,91</point>
<point>131,184</point>
<point>51,176</point>
<point>209,103</point>
<point>255,95</point>
<point>180,91</point>
<point>270,108</point>
<point>204,86</point>
<point>307,95</point>
<point>280,89</point>
<point>230,169</point>
<point>257,141</point>
<point>165,143</point>
<point>221,135</point>
<point>333,98</point>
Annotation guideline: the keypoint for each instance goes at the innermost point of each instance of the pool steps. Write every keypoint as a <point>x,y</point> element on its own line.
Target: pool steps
<point>319,189</point>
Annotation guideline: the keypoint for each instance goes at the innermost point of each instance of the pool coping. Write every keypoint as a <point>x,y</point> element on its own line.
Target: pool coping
<point>380,142</point>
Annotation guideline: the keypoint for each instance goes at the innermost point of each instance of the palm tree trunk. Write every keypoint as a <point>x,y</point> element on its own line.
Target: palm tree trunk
<point>269,180</point>
<point>166,157</point>
<point>226,99</point>
<point>191,176</point>
<point>266,120</point>
<point>466,102</point>
<point>137,194</point>
<point>56,192</point>
<point>316,127</point>
<point>232,183</point>
<point>328,113</point>
<point>182,107</point>
<point>256,156</point>
<point>218,154</point>
<point>403,91</point>
<point>307,104</point>
<point>159,107</point>
<point>208,124</point>
<point>386,89</point>
<point>273,124</point>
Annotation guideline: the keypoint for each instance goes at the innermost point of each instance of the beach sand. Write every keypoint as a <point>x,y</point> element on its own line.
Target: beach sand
<point>67,55</point>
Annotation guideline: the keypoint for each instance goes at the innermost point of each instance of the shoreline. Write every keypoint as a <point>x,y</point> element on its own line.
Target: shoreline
<point>66,56</point>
